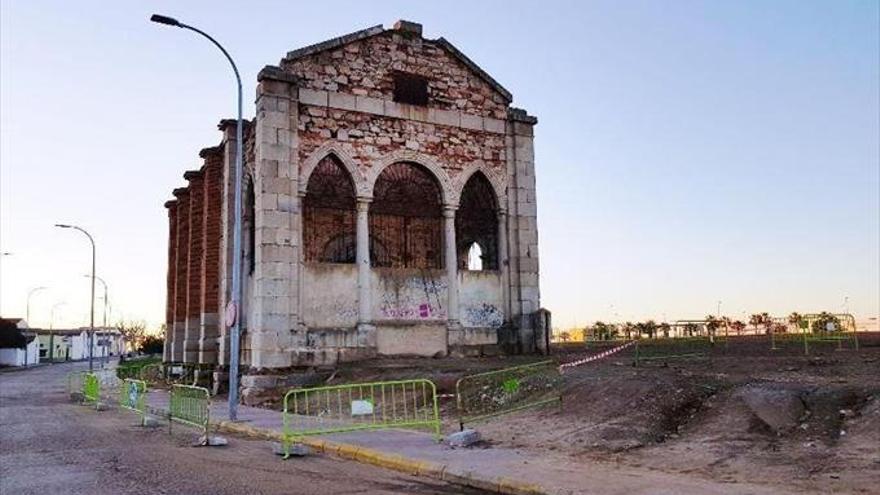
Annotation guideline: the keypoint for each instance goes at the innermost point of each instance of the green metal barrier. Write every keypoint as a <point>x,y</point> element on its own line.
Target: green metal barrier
<point>91,389</point>
<point>190,405</point>
<point>152,373</point>
<point>504,391</point>
<point>359,406</point>
<point>75,382</point>
<point>684,348</point>
<point>132,396</point>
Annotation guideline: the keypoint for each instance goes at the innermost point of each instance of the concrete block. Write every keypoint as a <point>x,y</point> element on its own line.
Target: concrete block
<point>313,97</point>
<point>211,441</point>
<point>370,105</point>
<point>396,110</point>
<point>473,122</point>
<point>259,381</point>
<point>295,450</point>
<point>464,438</point>
<point>444,117</point>
<point>493,125</point>
<point>151,422</point>
<point>342,101</point>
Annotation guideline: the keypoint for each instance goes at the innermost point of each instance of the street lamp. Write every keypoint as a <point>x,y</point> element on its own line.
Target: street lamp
<point>99,279</point>
<point>92,310</point>
<point>235,303</point>
<point>51,332</point>
<point>31,292</point>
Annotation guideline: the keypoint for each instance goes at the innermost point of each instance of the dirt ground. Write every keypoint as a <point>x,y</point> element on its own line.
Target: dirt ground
<point>51,446</point>
<point>690,416</point>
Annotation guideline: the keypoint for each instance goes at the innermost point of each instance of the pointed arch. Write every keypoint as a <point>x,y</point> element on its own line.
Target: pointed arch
<point>476,222</point>
<point>344,158</point>
<point>498,181</point>
<point>329,212</point>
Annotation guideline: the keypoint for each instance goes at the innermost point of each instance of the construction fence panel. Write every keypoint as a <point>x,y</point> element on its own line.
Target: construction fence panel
<point>75,382</point>
<point>190,405</point>
<point>360,406</point>
<point>133,395</point>
<point>647,350</point>
<point>91,389</point>
<point>485,395</point>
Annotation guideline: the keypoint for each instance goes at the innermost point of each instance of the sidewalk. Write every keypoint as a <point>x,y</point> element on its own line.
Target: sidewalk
<point>501,469</point>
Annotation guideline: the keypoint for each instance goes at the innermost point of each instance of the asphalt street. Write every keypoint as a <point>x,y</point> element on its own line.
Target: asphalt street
<point>49,445</point>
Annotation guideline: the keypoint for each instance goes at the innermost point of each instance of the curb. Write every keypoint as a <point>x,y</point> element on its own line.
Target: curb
<point>394,462</point>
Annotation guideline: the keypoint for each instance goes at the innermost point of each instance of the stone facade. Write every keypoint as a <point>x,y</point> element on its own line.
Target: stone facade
<point>389,209</point>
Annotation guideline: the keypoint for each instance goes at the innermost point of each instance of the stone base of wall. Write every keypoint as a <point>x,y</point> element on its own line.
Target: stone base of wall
<point>413,339</point>
<point>487,350</point>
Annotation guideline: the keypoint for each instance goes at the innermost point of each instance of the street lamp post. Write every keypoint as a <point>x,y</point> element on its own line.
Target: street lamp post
<point>99,279</point>
<point>235,304</point>
<point>52,332</point>
<point>28,309</point>
<point>92,309</point>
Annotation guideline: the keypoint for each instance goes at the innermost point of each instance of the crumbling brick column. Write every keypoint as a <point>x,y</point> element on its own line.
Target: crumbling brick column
<point>181,267</point>
<point>171,279</point>
<point>275,311</point>
<point>192,328</point>
<point>210,269</point>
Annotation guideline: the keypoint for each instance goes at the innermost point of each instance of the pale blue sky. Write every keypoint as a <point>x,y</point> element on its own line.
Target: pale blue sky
<point>687,152</point>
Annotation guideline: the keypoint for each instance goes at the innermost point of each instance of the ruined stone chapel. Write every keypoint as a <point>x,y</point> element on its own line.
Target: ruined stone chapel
<point>389,209</point>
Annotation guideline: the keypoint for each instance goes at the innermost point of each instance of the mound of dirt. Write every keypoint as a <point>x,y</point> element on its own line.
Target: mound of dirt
<point>781,409</point>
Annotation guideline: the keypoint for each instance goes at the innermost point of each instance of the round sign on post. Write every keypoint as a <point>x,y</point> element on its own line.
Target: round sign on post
<point>231,314</point>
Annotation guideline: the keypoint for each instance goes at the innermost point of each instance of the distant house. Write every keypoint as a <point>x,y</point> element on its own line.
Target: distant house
<point>72,344</point>
<point>18,346</point>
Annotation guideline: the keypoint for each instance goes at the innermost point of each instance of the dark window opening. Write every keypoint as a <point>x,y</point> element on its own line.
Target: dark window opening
<point>329,214</point>
<point>249,223</point>
<point>410,88</point>
<point>476,225</point>
<point>406,224</point>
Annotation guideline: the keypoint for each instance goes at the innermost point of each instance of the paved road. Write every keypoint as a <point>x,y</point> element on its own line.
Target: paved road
<point>49,446</point>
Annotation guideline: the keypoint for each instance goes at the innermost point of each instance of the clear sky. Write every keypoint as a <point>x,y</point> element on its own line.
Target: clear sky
<point>687,152</point>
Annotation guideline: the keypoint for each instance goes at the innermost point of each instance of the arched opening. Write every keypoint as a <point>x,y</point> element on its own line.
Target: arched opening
<point>476,224</point>
<point>248,217</point>
<point>405,218</point>
<point>329,214</point>
<point>475,258</point>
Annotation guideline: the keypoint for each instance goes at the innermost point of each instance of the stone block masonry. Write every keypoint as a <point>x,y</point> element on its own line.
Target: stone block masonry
<point>378,163</point>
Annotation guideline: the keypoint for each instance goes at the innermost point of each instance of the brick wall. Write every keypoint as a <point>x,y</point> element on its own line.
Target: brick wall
<point>171,277</point>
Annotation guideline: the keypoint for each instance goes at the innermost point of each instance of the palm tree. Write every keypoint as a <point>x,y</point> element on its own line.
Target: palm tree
<point>664,327</point>
<point>795,319</point>
<point>756,319</point>
<point>738,326</point>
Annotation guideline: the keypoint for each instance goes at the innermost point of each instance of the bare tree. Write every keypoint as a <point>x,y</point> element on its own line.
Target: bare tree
<point>133,332</point>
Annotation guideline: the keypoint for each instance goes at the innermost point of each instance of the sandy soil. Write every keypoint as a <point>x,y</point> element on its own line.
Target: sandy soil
<point>689,416</point>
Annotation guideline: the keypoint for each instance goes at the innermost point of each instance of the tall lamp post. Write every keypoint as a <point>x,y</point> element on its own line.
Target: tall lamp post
<point>52,331</point>
<point>99,279</point>
<point>28,309</point>
<point>235,303</point>
<point>92,309</point>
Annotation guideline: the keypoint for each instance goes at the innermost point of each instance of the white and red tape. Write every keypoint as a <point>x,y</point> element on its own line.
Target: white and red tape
<point>596,357</point>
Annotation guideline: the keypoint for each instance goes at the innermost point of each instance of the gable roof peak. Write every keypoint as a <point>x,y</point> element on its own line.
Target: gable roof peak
<point>401,26</point>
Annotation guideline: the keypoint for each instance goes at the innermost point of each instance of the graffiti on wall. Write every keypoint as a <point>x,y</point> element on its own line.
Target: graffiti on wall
<point>412,298</point>
<point>483,315</point>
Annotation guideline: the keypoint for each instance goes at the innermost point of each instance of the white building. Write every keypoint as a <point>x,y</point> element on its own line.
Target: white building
<point>18,347</point>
